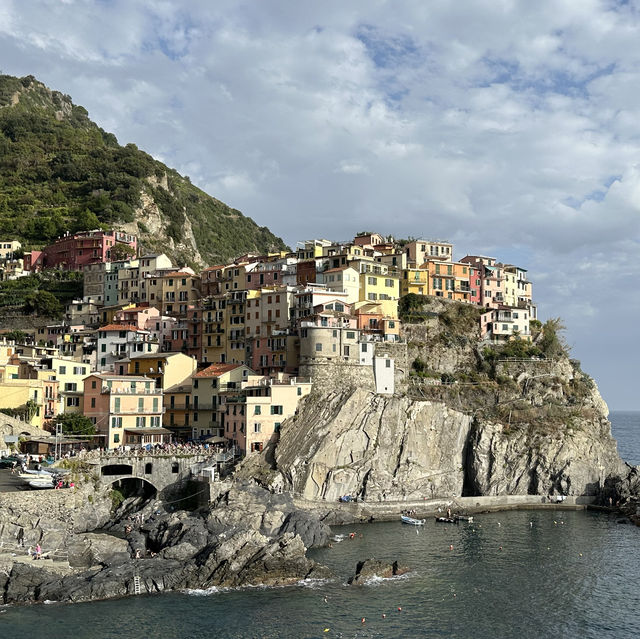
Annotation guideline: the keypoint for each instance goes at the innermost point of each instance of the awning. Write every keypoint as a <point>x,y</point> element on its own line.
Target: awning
<point>215,439</point>
<point>148,431</point>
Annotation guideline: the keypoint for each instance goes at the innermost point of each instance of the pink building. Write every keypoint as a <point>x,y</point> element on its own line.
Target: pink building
<point>73,252</point>
<point>125,409</point>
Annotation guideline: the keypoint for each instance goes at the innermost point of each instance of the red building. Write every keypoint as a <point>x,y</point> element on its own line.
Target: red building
<point>73,252</point>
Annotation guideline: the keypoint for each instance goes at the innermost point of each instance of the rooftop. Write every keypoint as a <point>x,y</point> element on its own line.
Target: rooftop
<point>215,370</point>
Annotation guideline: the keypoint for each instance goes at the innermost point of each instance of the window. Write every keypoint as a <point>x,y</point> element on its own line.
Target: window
<point>318,347</point>
<point>276,410</point>
<point>346,351</point>
<point>116,403</point>
<point>257,428</point>
<point>351,335</point>
<point>364,347</point>
<point>141,422</point>
<point>256,410</point>
<point>63,370</point>
<point>437,269</point>
<point>387,363</point>
<point>388,283</point>
<point>140,404</point>
<point>93,402</point>
<point>155,403</point>
<point>116,422</point>
<point>116,438</point>
<point>299,390</point>
<point>93,384</point>
<point>372,280</point>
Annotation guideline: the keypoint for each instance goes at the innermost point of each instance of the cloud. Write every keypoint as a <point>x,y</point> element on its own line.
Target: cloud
<point>508,127</point>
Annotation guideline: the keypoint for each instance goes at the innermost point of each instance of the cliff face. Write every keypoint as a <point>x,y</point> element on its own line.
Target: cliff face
<point>538,432</point>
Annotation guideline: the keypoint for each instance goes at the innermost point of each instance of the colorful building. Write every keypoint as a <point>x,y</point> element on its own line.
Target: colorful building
<point>126,410</point>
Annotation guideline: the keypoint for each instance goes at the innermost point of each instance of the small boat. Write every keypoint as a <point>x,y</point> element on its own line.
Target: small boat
<point>40,484</point>
<point>445,520</point>
<point>468,518</point>
<point>411,520</point>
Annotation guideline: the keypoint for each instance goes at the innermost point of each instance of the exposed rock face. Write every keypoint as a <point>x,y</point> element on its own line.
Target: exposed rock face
<point>373,447</point>
<point>396,448</point>
<point>248,537</point>
<point>369,568</point>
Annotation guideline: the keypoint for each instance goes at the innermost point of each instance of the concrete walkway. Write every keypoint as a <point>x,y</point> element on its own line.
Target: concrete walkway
<point>391,510</point>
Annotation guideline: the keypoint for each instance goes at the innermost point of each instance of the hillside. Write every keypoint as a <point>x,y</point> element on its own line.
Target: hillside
<point>60,172</point>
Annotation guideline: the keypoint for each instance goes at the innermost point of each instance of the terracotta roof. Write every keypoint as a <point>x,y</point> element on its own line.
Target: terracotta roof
<point>215,370</point>
<point>120,327</point>
<point>135,309</point>
<point>339,268</point>
<point>177,274</point>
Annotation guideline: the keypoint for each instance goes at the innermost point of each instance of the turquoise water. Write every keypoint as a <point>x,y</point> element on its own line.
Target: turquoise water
<point>516,574</point>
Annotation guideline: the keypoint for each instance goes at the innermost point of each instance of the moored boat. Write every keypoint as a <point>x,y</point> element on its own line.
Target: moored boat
<point>411,520</point>
<point>445,520</point>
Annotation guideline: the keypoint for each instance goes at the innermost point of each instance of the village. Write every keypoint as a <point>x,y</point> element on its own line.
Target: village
<point>154,353</point>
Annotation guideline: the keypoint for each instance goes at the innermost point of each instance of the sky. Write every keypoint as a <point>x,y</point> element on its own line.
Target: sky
<point>510,128</point>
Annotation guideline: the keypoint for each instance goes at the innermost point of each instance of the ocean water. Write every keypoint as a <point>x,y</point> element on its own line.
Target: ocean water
<point>625,426</point>
<point>513,574</point>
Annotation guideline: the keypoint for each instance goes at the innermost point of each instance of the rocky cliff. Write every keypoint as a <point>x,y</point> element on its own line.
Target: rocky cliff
<point>469,421</point>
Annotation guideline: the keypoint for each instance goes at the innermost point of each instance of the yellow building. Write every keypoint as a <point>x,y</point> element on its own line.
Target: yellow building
<point>206,402</point>
<point>177,406</point>
<point>414,280</point>
<point>26,396</point>
<point>166,369</point>
<point>70,375</point>
<point>380,284</point>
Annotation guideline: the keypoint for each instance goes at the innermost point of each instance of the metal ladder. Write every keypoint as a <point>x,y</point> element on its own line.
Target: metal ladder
<point>136,584</point>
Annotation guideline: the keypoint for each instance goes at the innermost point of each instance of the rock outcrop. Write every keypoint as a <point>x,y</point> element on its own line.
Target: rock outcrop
<point>542,430</point>
<point>247,537</point>
<point>371,568</point>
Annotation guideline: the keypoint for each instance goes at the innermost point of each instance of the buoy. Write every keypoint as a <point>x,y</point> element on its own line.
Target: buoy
<point>531,524</point>
<point>555,523</point>
<point>399,608</point>
<point>500,547</point>
<point>581,554</point>
<point>451,547</point>
<point>499,524</point>
<point>384,616</point>
<point>363,619</point>
<point>326,630</point>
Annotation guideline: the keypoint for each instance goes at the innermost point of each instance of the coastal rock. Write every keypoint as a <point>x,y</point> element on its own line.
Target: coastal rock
<point>536,433</point>
<point>373,447</point>
<point>92,549</point>
<point>369,568</point>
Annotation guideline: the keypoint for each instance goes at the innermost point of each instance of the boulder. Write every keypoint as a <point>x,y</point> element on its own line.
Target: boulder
<point>370,568</point>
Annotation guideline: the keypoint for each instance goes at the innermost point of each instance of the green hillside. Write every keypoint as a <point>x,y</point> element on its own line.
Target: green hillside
<point>61,172</point>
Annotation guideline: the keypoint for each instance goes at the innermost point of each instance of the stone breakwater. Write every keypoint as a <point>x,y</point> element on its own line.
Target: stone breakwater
<point>247,537</point>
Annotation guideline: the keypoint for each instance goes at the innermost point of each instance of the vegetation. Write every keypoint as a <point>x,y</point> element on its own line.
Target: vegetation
<point>63,285</point>
<point>75,424</point>
<point>42,303</point>
<point>411,309</point>
<point>26,412</point>
<point>61,172</point>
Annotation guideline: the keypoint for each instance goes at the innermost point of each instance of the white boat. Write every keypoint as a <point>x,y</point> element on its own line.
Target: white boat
<point>411,520</point>
<point>40,484</point>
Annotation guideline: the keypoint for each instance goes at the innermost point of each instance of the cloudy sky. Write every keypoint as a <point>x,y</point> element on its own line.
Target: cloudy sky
<point>511,128</point>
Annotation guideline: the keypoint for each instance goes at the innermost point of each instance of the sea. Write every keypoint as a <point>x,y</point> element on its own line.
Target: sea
<point>511,574</point>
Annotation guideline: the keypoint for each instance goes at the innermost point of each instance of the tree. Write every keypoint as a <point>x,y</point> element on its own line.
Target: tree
<point>122,252</point>
<point>43,303</point>
<point>17,336</point>
<point>75,424</point>
<point>552,344</point>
